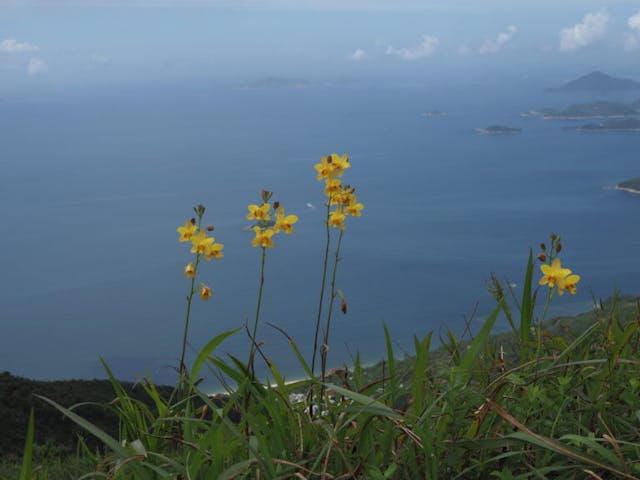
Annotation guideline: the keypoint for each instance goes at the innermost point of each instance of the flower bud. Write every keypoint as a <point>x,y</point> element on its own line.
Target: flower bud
<point>558,248</point>
<point>553,237</point>
<point>210,228</point>
<point>329,159</point>
<point>343,306</point>
<point>276,204</point>
<point>199,209</point>
<point>543,247</point>
<point>266,195</point>
<point>542,257</point>
<point>193,221</point>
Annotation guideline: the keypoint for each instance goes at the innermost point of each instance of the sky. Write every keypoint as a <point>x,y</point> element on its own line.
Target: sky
<point>93,43</point>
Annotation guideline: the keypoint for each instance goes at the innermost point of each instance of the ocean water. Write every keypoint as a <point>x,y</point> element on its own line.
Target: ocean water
<point>94,185</point>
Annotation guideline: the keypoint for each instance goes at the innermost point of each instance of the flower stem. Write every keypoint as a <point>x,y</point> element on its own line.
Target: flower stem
<point>325,343</point>
<point>255,322</point>
<point>322,287</point>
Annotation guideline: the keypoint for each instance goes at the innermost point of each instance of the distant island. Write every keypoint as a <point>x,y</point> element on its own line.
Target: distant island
<point>498,130</point>
<point>632,185</point>
<point>432,113</point>
<point>625,125</point>
<point>597,82</point>
<point>598,109</point>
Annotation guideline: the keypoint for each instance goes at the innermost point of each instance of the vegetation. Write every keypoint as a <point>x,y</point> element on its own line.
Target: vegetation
<point>598,82</point>
<point>624,125</point>
<point>547,400</point>
<point>631,184</point>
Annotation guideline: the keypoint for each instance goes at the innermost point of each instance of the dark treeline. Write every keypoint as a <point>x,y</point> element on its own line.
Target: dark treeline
<point>18,396</point>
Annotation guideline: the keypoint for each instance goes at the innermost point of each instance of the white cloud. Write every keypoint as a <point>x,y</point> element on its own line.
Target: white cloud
<point>492,46</point>
<point>11,45</point>
<point>426,48</point>
<point>632,39</point>
<point>463,49</point>
<point>36,66</point>
<point>593,28</point>
<point>98,60</point>
<point>358,55</point>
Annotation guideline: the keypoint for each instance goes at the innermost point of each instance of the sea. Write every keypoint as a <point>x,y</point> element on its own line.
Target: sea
<point>95,183</point>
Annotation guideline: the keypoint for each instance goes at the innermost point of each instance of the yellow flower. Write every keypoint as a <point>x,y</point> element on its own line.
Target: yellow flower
<point>331,166</point>
<point>200,242</point>
<point>284,223</point>
<point>340,163</point>
<point>187,231</point>
<point>205,292</point>
<point>190,271</point>
<point>553,273</point>
<point>325,168</point>
<point>259,212</point>
<point>213,251</point>
<point>568,283</point>
<point>332,187</point>
<point>354,210</point>
<point>336,219</point>
<point>263,238</point>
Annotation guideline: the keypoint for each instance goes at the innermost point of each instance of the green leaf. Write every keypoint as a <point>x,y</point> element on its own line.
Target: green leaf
<point>27,458</point>
<point>105,438</point>
<point>527,304</point>
<point>206,351</point>
<point>370,405</point>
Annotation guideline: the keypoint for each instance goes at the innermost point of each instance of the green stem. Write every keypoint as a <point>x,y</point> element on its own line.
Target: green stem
<point>325,343</point>
<point>255,322</point>
<point>322,287</point>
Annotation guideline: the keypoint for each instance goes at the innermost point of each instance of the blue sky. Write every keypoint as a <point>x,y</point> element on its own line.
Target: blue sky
<point>95,42</point>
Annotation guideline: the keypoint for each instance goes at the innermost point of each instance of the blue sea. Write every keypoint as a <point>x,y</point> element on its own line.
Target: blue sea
<point>95,183</point>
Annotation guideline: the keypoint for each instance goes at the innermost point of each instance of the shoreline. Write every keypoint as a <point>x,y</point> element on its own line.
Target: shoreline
<point>627,189</point>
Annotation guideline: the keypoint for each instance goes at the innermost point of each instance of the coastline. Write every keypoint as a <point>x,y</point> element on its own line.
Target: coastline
<point>627,189</point>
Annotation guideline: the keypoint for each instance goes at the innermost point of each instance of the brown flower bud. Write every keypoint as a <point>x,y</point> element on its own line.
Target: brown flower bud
<point>329,159</point>
<point>193,221</point>
<point>276,204</point>
<point>558,248</point>
<point>343,307</point>
<point>543,247</point>
<point>209,228</point>
<point>542,257</point>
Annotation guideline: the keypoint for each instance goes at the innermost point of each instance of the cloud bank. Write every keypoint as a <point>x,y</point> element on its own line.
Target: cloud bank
<point>426,48</point>
<point>11,45</point>
<point>493,46</point>
<point>592,29</point>
<point>358,55</point>
<point>632,39</point>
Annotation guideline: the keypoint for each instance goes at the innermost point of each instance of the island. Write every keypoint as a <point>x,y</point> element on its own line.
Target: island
<point>597,82</point>
<point>632,185</point>
<point>432,113</point>
<point>579,111</point>
<point>498,130</point>
<point>625,125</point>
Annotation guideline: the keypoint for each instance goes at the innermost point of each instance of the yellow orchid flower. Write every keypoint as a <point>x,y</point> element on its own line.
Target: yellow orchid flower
<point>189,271</point>
<point>263,238</point>
<point>284,223</point>
<point>205,292</point>
<point>213,251</point>
<point>259,212</point>
<point>568,283</point>
<point>200,242</point>
<point>553,273</point>
<point>188,230</point>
